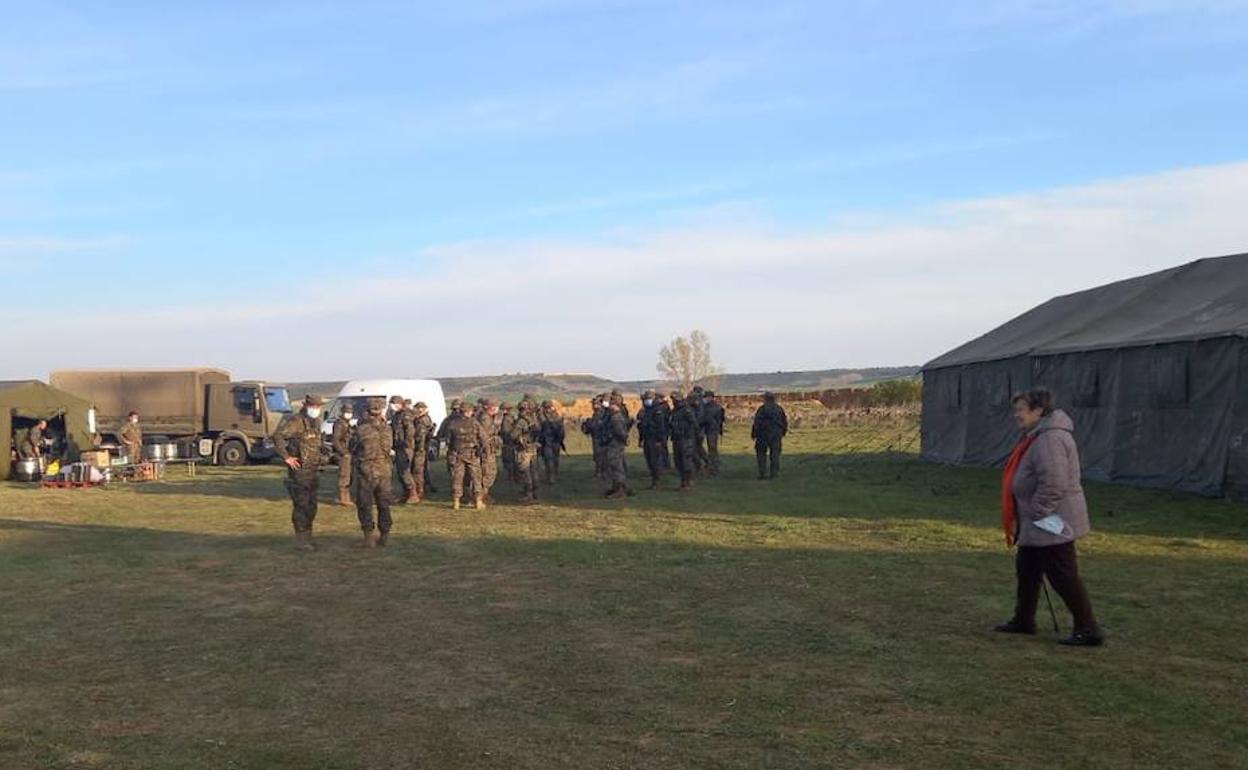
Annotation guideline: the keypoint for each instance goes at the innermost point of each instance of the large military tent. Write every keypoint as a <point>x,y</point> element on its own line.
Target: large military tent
<point>24,402</point>
<point>1154,371</point>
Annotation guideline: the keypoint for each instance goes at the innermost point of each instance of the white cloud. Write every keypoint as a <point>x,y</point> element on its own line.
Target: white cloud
<point>901,288</point>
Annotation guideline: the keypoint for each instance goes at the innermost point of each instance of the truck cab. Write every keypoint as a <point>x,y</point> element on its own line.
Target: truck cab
<point>242,417</point>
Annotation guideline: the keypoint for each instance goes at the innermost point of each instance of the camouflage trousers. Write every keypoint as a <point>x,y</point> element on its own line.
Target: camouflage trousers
<point>373,488</point>
<point>526,470</point>
<point>683,451</point>
<point>344,473</point>
<point>616,465</point>
<point>657,459</point>
<point>303,485</point>
<point>550,461</point>
<point>768,452</point>
<point>403,467</point>
<point>489,472</point>
<point>509,461</point>
<point>420,470</point>
<point>699,451</point>
<point>461,465</point>
<point>599,460</point>
<point>712,453</point>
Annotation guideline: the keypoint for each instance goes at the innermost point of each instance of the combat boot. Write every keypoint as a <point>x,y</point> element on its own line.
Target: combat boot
<point>480,504</point>
<point>616,491</point>
<point>455,504</point>
<point>383,538</point>
<point>370,539</point>
<point>303,541</point>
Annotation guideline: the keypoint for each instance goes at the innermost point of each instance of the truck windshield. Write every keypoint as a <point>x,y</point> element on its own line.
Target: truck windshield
<point>277,399</point>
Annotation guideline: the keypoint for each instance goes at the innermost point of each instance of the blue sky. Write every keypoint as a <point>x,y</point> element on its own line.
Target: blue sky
<point>332,189</point>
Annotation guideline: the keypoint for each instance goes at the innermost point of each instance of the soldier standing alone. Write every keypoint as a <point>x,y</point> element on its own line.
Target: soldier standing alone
<point>131,437</point>
<point>770,427</point>
<point>372,447</point>
<point>341,441</point>
<point>298,443</point>
<point>712,428</point>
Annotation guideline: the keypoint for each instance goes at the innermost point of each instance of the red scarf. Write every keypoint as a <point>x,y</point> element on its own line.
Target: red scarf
<point>1009,507</point>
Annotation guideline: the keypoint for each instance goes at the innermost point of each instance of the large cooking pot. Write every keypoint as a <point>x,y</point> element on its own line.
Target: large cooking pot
<point>27,470</point>
<point>159,452</point>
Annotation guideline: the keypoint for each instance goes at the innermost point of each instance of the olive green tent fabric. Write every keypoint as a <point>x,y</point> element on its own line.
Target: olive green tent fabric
<point>1154,371</point>
<point>32,400</point>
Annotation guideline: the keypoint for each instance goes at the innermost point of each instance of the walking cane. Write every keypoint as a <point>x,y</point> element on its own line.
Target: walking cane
<point>1052,614</point>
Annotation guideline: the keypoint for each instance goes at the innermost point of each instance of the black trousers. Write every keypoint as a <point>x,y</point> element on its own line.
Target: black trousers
<point>1060,564</point>
<point>768,450</point>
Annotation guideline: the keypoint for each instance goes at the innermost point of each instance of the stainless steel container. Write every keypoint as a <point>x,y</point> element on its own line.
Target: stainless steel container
<point>160,452</point>
<point>27,470</point>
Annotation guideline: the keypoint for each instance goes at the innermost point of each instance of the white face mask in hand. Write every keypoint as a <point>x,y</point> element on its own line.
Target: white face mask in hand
<point>314,412</point>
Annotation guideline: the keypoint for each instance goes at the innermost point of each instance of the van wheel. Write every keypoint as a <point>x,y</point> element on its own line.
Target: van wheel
<point>232,453</point>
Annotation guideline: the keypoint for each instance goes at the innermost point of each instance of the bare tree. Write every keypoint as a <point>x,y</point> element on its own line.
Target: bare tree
<point>687,361</point>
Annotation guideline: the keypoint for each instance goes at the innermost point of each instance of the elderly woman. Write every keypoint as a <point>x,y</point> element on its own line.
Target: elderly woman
<point>1044,512</point>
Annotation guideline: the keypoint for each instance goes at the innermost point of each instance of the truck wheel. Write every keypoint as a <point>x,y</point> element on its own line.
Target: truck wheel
<point>232,453</point>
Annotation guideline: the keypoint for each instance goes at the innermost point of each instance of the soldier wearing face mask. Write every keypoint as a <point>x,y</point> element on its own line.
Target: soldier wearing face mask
<point>592,427</point>
<point>341,441</point>
<point>653,430</point>
<point>298,443</point>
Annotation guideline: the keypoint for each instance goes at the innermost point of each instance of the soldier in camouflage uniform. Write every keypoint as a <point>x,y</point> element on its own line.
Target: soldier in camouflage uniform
<point>404,432</point>
<point>614,436</point>
<point>506,420</point>
<point>684,430</point>
<point>341,441</point>
<point>770,427</point>
<point>551,439</point>
<point>652,433</point>
<point>712,429</point>
<point>591,427</point>
<point>423,426</point>
<point>466,441</point>
<point>695,402</point>
<point>372,447</point>
<point>489,418</point>
<point>298,442</point>
<point>131,437</point>
<point>525,433</point>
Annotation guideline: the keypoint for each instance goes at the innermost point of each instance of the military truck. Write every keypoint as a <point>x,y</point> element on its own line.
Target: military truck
<point>203,411</point>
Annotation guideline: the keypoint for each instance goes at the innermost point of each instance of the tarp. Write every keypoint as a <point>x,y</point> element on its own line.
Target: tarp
<point>32,400</point>
<point>1201,300</point>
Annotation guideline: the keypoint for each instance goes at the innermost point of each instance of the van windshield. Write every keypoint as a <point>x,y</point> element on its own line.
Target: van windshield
<point>277,400</point>
<point>358,406</point>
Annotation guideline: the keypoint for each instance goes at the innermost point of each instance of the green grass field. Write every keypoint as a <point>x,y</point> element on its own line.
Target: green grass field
<point>838,617</point>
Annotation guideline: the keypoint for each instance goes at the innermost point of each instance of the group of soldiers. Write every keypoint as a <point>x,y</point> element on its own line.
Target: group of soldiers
<point>399,438</point>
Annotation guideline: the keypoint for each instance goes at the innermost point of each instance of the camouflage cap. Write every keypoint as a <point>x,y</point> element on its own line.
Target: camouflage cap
<point>548,404</point>
<point>482,401</point>
<point>313,400</point>
<point>377,404</point>
<point>420,405</point>
<point>487,402</point>
<point>455,403</point>
<point>396,399</point>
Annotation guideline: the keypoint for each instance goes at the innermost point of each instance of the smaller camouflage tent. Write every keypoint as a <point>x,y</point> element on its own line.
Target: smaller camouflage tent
<point>23,402</point>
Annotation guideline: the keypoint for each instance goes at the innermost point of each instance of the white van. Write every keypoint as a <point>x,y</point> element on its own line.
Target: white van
<point>357,393</point>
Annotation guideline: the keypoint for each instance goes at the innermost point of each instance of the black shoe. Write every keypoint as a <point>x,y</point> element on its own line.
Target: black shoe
<point>1014,627</point>
<point>1083,639</point>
